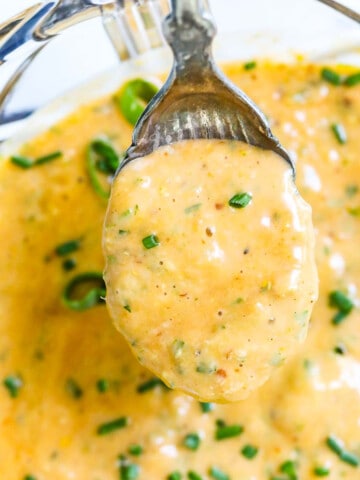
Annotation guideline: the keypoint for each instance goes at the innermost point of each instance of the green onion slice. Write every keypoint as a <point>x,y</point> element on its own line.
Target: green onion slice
<point>339,132</point>
<point>240,200</point>
<point>102,161</point>
<point>150,241</point>
<point>25,162</point>
<point>133,98</point>
<point>331,76</point>
<point>84,291</point>
<point>352,80</point>
<point>113,425</point>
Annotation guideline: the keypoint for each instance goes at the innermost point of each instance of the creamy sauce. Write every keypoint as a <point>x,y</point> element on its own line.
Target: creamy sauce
<point>49,430</point>
<point>223,292</point>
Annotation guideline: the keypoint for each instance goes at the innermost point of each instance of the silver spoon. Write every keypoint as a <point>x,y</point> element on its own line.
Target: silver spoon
<point>197,100</point>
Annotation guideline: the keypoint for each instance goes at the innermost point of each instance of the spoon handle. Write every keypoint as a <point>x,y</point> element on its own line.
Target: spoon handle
<point>342,9</point>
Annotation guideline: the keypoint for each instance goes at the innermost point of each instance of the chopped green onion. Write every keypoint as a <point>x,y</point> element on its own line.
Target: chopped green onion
<point>102,385</point>
<point>339,300</point>
<point>337,447</point>
<point>84,291</point>
<point>135,450</point>
<point>351,189</point>
<point>193,475</point>
<point>133,98</point>
<point>110,427</point>
<point>250,65</point>
<point>127,308</point>
<point>192,441</point>
<point>340,349</point>
<point>150,241</point>
<point>228,431</point>
<point>13,383</point>
<point>352,80</point>
<point>249,451</point>
<point>339,132</point>
<point>192,208</point>
<point>150,385</point>
<point>240,200</point>
<point>206,407</point>
<point>67,247</point>
<point>207,368</point>
<point>331,76</point>
<point>25,162</point>
<point>321,471</point>
<point>69,264</point>
<point>174,476</point>
<point>289,468</point>
<point>29,477</point>
<point>73,388</point>
<point>101,159</point>
<point>218,474</point>
<point>123,232</point>
<point>129,471</point>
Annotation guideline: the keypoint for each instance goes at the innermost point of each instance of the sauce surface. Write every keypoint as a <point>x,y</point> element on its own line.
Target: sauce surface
<point>75,373</point>
<point>210,269</point>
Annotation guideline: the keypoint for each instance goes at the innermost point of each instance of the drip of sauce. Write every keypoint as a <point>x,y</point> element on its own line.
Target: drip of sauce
<point>214,280</point>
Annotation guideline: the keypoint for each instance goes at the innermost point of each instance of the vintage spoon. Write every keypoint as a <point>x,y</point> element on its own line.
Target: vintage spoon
<point>197,101</point>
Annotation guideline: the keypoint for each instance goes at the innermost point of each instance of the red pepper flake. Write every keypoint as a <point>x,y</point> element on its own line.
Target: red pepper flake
<point>221,372</point>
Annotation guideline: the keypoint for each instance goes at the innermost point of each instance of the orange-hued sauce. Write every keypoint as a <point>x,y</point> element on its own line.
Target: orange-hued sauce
<point>210,266</point>
<point>58,356</point>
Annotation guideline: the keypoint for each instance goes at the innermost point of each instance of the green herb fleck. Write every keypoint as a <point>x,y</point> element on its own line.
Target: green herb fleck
<point>127,307</point>
<point>289,467</point>
<point>240,200</point>
<point>102,385</point>
<point>337,446</point>
<point>13,383</point>
<point>206,407</point>
<point>218,474</point>
<point>177,348</point>
<point>351,190</point>
<point>47,158</point>
<point>250,65</point>
<point>135,450</point>
<point>22,162</point>
<point>207,368</point>
<point>127,470</point>
<point>321,471</point>
<point>339,300</point>
<point>69,264</point>
<point>29,477</point>
<point>150,241</point>
<point>67,247</point>
<point>331,76</point>
<point>123,232</point>
<point>174,476</point>
<point>339,132</point>
<point>113,425</point>
<point>25,162</point>
<point>192,208</point>
<point>150,385</point>
<point>192,441</point>
<point>340,349</point>
<point>249,451</point>
<point>73,388</point>
<point>228,431</point>
<point>352,80</point>
<point>193,475</point>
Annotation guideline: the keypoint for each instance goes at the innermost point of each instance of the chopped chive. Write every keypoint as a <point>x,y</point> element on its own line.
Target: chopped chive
<point>218,474</point>
<point>129,471</point>
<point>13,384</point>
<point>249,451</point>
<point>192,441</point>
<point>68,264</point>
<point>135,450</point>
<point>289,467</point>
<point>123,232</point>
<point>150,241</point>
<point>354,211</point>
<point>22,162</point>
<point>150,385</point>
<point>67,247</point>
<point>250,65</point>
<point>240,200</point>
<point>192,208</point>
<point>113,425</point>
<point>25,162</point>
<point>206,407</point>
<point>339,132</point>
<point>47,158</point>
<point>127,307</point>
<point>84,291</point>
<point>352,80</point>
<point>207,368</point>
<point>174,476</point>
<point>351,190</point>
<point>340,349</point>
<point>330,76</point>
<point>339,300</point>
<point>193,475</point>
<point>228,431</point>
<point>321,471</point>
<point>29,477</point>
<point>102,385</point>
<point>337,447</point>
<point>177,348</point>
